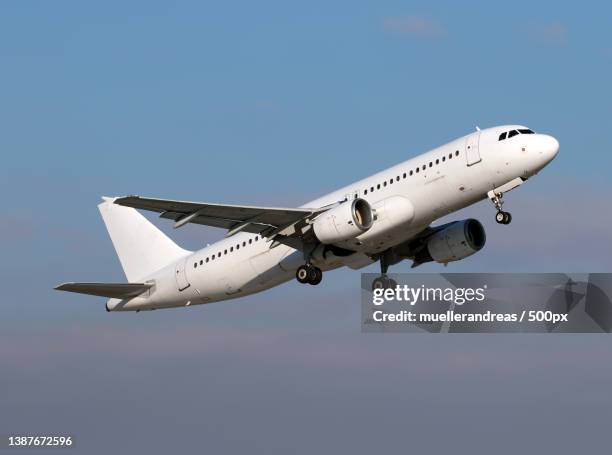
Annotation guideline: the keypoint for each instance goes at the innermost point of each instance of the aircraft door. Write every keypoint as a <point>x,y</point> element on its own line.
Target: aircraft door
<point>472,151</point>
<point>181,277</point>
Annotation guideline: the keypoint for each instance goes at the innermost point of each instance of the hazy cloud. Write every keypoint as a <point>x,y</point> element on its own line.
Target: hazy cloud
<point>551,34</point>
<point>29,352</point>
<point>260,391</point>
<point>413,25</point>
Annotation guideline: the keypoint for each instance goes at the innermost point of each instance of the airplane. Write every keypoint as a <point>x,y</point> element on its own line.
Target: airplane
<point>385,218</point>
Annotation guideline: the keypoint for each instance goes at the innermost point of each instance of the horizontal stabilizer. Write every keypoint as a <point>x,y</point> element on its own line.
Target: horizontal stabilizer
<point>112,290</point>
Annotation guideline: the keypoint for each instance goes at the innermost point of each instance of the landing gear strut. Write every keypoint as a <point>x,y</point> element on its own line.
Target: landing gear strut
<point>383,281</point>
<point>501,217</point>
<point>308,273</point>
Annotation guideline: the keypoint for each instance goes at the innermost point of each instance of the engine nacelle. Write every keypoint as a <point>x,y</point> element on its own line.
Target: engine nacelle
<point>458,241</point>
<point>346,221</point>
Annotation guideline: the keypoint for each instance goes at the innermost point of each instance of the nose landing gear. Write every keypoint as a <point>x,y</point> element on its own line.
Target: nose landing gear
<point>501,217</point>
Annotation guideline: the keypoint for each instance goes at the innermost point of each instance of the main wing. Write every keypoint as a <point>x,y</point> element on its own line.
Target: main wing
<point>283,224</point>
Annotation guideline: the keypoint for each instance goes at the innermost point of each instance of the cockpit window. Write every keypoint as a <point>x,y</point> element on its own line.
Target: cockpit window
<point>509,134</point>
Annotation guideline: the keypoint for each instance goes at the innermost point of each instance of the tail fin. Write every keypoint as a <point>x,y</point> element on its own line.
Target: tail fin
<point>141,247</point>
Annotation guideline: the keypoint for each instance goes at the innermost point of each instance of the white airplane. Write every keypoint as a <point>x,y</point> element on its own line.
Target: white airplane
<point>386,217</point>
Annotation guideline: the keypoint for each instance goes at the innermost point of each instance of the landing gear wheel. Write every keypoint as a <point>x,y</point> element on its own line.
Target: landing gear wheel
<point>308,273</point>
<point>304,273</point>
<point>383,282</point>
<point>503,217</point>
<point>318,276</point>
<point>378,283</point>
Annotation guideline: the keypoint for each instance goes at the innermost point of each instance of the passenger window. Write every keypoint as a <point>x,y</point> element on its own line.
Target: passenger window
<point>457,153</point>
<point>378,186</point>
<point>225,252</point>
<point>201,261</point>
<point>238,246</point>
<point>502,136</point>
<point>385,183</point>
<point>444,158</point>
<point>213,257</point>
<point>430,164</point>
<point>391,182</point>
<point>397,178</point>
<point>250,241</point>
<point>207,259</point>
<point>417,170</point>
<point>404,175</point>
<point>450,156</point>
<point>424,166</point>
<point>371,189</point>
<point>243,244</point>
<point>512,133</point>
<point>365,191</point>
<point>438,161</point>
<point>195,264</point>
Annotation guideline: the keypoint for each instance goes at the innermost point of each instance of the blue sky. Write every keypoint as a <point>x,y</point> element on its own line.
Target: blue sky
<point>276,103</point>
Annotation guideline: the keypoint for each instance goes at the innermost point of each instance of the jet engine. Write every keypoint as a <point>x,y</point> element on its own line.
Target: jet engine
<point>346,221</point>
<point>457,241</point>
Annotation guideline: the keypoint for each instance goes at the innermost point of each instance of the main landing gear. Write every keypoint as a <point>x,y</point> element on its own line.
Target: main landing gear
<point>501,217</point>
<point>383,281</point>
<point>308,273</point>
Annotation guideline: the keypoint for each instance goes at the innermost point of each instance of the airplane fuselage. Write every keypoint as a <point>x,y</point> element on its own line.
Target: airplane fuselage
<point>406,198</point>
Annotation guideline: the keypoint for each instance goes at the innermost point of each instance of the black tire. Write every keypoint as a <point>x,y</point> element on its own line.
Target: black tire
<point>500,217</point>
<point>318,276</point>
<point>303,274</point>
<point>383,282</point>
<point>508,218</point>
<point>378,283</point>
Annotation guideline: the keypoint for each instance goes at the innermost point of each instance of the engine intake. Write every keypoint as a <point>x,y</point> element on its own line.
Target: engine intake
<point>458,241</point>
<point>346,221</point>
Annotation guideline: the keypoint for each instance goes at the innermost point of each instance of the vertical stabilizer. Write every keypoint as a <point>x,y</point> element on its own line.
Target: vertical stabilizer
<point>142,248</point>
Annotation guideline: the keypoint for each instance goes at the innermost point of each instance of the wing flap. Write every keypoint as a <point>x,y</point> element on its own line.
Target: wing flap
<point>111,290</point>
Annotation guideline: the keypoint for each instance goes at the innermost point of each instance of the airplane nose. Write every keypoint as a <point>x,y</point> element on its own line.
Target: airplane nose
<point>552,146</point>
<point>546,146</point>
